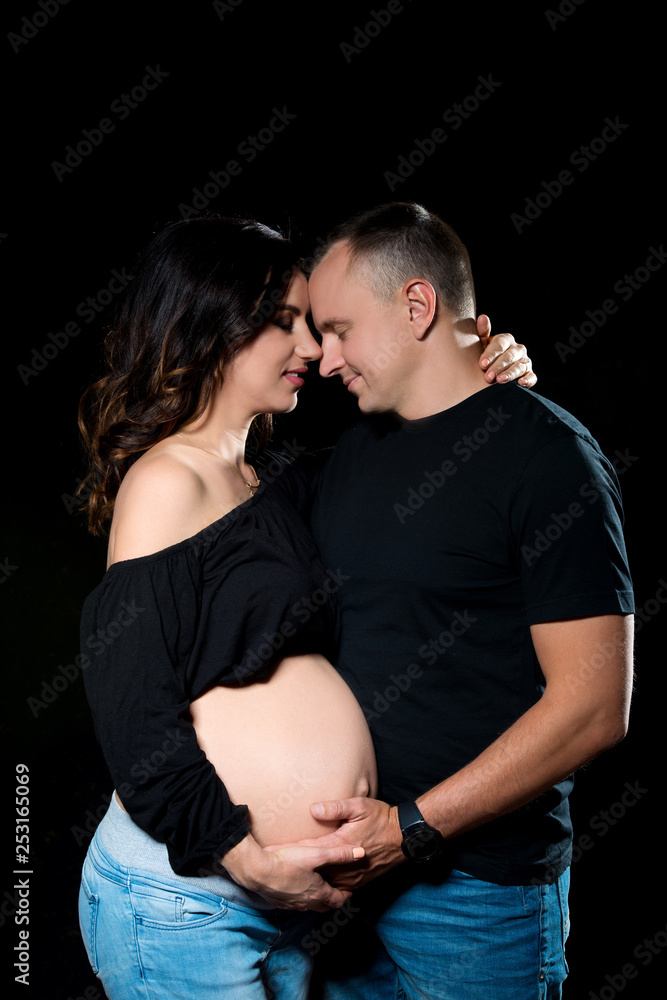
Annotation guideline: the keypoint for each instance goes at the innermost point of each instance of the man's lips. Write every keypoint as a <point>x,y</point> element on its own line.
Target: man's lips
<point>294,376</point>
<point>350,382</point>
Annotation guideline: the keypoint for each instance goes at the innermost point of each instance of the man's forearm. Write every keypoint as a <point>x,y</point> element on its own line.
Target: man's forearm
<point>540,749</point>
<point>581,713</point>
<point>571,724</point>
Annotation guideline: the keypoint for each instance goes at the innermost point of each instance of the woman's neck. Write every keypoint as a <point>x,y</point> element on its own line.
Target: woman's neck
<point>220,431</point>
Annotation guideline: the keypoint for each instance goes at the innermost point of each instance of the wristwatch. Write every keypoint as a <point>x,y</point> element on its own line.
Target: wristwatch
<point>420,841</point>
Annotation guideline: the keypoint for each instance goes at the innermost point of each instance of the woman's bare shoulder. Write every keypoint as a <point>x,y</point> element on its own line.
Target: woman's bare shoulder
<point>160,502</point>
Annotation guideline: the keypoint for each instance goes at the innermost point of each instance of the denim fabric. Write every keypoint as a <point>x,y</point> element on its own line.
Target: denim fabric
<point>459,939</point>
<point>149,939</point>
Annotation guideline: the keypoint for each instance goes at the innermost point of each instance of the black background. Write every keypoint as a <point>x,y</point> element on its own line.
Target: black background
<point>556,78</point>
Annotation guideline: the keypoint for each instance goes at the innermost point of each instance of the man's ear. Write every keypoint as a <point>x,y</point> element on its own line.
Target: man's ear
<point>421,301</point>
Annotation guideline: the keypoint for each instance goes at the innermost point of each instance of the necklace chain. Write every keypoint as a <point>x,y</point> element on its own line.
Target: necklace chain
<point>250,486</point>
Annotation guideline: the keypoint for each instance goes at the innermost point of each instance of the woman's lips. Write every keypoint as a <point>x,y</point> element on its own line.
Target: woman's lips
<point>294,376</point>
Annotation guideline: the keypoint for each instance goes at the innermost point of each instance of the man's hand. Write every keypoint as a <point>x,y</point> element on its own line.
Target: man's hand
<point>367,822</point>
<point>503,359</point>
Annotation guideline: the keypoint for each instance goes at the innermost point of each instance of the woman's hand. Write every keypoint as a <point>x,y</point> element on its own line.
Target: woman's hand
<point>288,877</point>
<point>503,359</point>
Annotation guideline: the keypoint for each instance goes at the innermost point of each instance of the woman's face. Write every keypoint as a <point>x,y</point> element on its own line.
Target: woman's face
<point>268,372</point>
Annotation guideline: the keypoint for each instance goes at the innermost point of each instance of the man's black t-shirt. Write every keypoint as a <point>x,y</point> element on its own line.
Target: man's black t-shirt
<point>456,533</point>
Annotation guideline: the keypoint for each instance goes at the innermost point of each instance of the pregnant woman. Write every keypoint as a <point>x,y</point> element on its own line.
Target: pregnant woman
<point>211,634</point>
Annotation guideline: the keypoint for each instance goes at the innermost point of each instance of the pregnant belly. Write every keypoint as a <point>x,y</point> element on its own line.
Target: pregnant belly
<point>280,744</point>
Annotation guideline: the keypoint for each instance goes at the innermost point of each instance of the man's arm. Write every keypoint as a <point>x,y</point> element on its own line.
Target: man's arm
<point>587,665</point>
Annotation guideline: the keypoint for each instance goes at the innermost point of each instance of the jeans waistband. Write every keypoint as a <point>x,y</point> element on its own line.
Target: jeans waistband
<point>127,847</point>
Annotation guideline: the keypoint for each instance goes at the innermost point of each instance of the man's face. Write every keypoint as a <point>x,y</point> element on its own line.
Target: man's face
<point>362,339</point>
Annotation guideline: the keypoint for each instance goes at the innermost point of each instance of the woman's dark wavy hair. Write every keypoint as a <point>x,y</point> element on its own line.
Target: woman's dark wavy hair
<point>202,288</point>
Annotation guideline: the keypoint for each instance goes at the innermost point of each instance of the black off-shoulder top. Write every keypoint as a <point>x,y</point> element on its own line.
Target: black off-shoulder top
<point>221,607</point>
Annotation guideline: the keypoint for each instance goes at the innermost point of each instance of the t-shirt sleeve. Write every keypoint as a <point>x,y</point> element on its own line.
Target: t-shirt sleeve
<point>567,525</point>
<point>137,633</point>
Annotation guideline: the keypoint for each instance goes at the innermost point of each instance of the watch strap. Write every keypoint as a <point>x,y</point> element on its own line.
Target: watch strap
<point>409,815</point>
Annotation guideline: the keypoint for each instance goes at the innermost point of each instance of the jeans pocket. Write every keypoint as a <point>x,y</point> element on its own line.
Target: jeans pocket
<point>88,904</point>
<point>159,905</point>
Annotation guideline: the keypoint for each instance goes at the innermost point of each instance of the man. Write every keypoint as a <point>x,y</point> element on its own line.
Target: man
<point>486,627</point>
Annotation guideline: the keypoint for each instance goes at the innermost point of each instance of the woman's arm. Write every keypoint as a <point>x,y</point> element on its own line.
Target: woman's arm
<point>288,877</point>
<point>137,689</point>
<point>503,359</point>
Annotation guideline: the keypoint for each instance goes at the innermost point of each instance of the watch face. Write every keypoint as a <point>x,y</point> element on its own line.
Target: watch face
<point>423,844</point>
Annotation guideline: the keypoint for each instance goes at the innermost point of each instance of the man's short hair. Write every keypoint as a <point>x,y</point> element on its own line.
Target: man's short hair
<point>395,242</point>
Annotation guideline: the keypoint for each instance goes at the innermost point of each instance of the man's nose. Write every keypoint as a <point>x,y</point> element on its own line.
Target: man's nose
<point>331,361</point>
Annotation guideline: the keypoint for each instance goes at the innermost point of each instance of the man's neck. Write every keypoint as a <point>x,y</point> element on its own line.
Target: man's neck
<point>448,376</point>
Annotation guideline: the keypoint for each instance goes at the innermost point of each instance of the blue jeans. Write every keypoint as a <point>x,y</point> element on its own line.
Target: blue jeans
<point>151,939</point>
<point>456,938</point>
